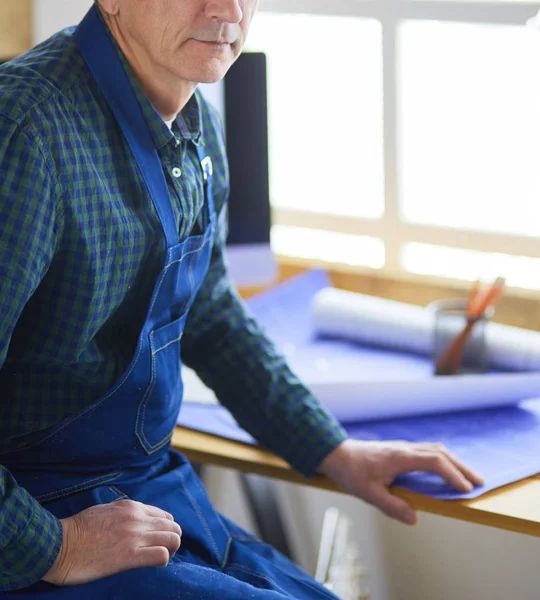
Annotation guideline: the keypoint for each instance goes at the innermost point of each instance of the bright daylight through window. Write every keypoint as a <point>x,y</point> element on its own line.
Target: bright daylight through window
<point>407,132</point>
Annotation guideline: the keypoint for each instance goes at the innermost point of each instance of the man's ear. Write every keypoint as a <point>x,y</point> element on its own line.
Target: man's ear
<point>111,7</point>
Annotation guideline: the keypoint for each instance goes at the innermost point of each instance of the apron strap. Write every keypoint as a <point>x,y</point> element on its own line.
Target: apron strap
<point>105,65</point>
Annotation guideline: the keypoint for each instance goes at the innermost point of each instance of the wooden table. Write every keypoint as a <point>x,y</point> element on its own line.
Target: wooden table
<point>515,507</point>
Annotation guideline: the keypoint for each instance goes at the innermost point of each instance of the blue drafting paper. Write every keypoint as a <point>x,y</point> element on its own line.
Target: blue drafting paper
<point>215,419</point>
<point>502,445</point>
<point>284,313</point>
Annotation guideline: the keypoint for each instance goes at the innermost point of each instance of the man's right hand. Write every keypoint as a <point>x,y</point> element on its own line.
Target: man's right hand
<point>110,538</point>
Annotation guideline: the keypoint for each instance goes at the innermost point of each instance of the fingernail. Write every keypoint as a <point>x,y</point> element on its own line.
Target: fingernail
<point>409,518</point>
<point>469,486</point>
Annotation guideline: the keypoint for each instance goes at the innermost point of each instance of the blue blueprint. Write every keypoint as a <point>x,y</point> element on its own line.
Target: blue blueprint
<point>502,444</point>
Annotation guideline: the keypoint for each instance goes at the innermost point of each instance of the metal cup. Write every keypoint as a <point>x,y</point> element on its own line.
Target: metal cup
<point>449,319</point>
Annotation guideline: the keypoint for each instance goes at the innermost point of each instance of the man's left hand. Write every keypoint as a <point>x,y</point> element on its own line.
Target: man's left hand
<point>367,470</point>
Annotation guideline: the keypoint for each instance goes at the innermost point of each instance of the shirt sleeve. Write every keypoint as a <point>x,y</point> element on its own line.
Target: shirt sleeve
<point>30,536</point>
<point>232,355</point>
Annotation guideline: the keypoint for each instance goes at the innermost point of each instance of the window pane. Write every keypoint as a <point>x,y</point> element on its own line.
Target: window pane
<point>328,246</point>
<point>469,126</point>
<point>469,265</point>
<point>325,112</point>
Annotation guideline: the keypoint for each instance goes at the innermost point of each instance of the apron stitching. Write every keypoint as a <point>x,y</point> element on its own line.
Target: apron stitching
<point>158,445</point>
<point>150,448</point>
<point>196,251</point>
<point>121,495</point>
<point>247,540</point>
<point>156,292</point>
<point>139,427</point>
<point>168,344</point>
<point>148,390</point>
<point>64,491</point>
<point>260,576</point>
<point>92,406</point>
<point>191,280</point>
<point>229,542</point>
<point>162,276</point>
<point>203,491</point>
<point>125,378</point>
<point>200,514</point>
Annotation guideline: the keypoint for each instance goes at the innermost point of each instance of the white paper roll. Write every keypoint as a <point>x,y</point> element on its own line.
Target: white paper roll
<point>374,400</point>
<point>401,326</point>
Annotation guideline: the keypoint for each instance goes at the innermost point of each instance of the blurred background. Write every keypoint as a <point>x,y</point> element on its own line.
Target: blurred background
<point>404,140</point>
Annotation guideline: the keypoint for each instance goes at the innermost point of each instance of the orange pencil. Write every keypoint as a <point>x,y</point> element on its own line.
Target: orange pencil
<point>475,290</point>
<point>478,303</point>
<point>488,298</point>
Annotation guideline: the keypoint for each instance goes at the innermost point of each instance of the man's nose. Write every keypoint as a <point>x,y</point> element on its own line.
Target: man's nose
<point>226,11</point>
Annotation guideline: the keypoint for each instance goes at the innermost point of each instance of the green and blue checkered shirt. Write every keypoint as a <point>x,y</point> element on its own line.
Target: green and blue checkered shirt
<point>80,249</point>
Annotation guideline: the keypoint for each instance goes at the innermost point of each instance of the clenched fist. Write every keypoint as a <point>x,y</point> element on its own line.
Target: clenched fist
<point>110,538</point>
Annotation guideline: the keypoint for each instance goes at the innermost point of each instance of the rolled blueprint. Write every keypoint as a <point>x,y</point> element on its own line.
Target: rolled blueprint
<point>400,326</point>
<point>353,401</point>
<point>367,381</point>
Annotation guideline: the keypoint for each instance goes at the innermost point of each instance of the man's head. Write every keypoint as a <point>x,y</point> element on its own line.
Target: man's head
<point>191,40</point>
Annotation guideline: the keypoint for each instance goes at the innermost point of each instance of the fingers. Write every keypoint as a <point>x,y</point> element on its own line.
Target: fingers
<point>158,524</point>
<point>473,477</point>
<point>165,539</point>
<point>470,475</point>
<point>157,556</point>
<point>154,511</point>
<point>151,511</point>
<point>438,464</point>
<point>161,531</point>
<point>106,539</point>
<point>394,507</point>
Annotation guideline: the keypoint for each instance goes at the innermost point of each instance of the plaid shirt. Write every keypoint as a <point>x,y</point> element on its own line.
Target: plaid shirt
<point>80,248</point>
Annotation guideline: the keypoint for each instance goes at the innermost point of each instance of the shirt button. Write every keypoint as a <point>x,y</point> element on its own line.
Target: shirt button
<point>176,172</point>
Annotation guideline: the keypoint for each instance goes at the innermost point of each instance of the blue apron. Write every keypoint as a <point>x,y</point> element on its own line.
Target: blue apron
<point>119,447</point>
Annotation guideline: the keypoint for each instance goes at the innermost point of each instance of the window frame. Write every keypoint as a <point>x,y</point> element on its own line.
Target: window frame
<point>391,228</point>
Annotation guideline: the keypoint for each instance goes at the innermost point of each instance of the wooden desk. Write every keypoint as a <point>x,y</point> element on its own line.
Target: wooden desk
<point>515,507</point>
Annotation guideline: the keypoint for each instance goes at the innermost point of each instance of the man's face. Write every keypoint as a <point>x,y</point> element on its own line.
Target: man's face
<point>194,40</point>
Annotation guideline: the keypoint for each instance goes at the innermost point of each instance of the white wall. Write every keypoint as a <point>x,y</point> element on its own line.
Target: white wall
<point>445,559</point>
<point>439,559</point>
<point>52,15</point>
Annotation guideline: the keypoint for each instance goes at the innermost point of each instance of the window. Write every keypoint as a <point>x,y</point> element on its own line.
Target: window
<point>469,126</point>
<point>412,126</point>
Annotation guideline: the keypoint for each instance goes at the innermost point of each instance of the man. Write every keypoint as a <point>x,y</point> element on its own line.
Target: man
<point>113,187</point>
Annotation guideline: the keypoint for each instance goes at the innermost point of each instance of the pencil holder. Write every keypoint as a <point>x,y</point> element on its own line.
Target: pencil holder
<point>449,321</point>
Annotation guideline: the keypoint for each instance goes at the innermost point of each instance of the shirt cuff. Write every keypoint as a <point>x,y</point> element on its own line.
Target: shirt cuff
<point>28,558</point>
<point>321,442</point>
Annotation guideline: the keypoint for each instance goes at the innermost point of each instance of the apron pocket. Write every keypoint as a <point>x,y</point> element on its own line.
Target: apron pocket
<point>159,407</point>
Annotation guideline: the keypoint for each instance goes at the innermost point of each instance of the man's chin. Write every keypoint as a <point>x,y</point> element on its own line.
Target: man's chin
<point>212,75</point>
<point>207,69</point>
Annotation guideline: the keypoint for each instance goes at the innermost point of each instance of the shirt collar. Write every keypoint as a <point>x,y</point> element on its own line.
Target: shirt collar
<point>187,124</point>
